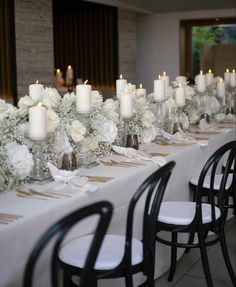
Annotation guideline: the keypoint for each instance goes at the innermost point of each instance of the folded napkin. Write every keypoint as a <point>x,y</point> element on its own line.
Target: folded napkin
<point>225,118</point>
<point>71,177</point>
<point>138,154</point>
<point>182,137</point>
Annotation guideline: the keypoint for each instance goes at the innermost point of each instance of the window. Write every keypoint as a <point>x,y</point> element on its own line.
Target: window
<point>7,52</point>
<point>85,37</point>
<point>207,44</point>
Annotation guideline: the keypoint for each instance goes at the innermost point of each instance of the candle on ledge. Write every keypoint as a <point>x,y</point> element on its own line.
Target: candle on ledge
<point>166,79</point>
<point>226,76</point>
<point>83,97</point>
<point>180,96</point>
<point>36,90</point>
<point>69,76</point>
<point>37,122</point>
<point>120,83</point>
<point>221,90</point>
<point>58,79</point>
<point>201,82</point>
<point>232,79</point>
<point>141,91</point>
<point>209,77</point>
<point>159,89</point>
<point>126,104</point>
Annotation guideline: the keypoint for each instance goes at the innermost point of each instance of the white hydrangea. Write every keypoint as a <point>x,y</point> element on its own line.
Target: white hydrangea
<point>147,135</point>
<point>148,118</point>
<point>19,159</point>
<point>51,98</point>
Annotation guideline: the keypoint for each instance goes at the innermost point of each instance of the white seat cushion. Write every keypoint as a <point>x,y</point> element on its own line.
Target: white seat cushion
<point>217,181</point>
<point>182,213</point>
<point>110,255</point>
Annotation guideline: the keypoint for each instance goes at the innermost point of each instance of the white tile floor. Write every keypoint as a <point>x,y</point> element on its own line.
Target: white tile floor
<point>189,272</point>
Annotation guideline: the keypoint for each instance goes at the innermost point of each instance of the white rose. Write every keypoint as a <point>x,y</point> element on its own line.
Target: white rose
<point>92,143</point>
<point>52,121</point>
<point>148,119</point>
<point>96,99</point>
<point>24,104</point>
<point>77,131</point>
<point>20,159</point>
<point>51,98</point>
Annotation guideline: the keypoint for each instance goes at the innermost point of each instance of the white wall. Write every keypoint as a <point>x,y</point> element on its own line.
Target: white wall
<point>158,43</point>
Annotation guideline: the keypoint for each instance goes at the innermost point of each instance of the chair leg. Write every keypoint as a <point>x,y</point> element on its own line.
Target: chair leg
<point>190,241</point>
<point>173,257</point>
<point>128,281</point>
<point>226,255</point>
<point>205,263</point>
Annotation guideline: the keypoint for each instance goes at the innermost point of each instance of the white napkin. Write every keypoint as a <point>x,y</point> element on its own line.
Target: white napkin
<point>223,117</point>
<point>138,154</point>
<point>181,137</point>
<point>72,178</point>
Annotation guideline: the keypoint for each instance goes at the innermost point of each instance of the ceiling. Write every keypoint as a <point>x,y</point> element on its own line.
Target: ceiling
<point>163,6</point>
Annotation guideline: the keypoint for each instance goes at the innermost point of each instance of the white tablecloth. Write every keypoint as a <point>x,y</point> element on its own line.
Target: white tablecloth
<point>18,238</point>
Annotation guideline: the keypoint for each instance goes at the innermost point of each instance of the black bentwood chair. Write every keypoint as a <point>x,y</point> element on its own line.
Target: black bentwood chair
<point>103,211</point>
<point>230,188</point>
<point>200,217</point>
<point>123,256</point>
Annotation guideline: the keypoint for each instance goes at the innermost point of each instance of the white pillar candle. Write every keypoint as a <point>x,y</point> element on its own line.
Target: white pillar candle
<point>126,104</point>
<point>209,77</point>
<point>221,90</point>
<point>83,98</point>
<point>141,92</point>
<point>180,96</point>
<point>232,79</point>
<point>36,91</point>
<point>37,122</point>
<point>226,76</point>
<point>201,82</point>
<point>120,83</point>
<point>166,79</point>
<point>69,75</point>
<point>159,89</point>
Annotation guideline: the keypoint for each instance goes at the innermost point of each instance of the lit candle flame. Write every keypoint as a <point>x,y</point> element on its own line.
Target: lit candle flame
<point>159,77</point>
<point>140,86</point>
<point>233,71</point>
<point>69,67</point>
<point>201,72</point>
<point>209,71</point>
<point>39,104</point>
<point>85,82</point>
<point>164,73</point>
<point>227,70</point>
<point>58,71</point>
<point>180,85</point>
<point>221,80</point>
<point>37,82</point>
<point>121,76</point>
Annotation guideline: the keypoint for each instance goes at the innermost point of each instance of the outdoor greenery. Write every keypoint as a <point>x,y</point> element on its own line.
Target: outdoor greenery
<point>210,35</point>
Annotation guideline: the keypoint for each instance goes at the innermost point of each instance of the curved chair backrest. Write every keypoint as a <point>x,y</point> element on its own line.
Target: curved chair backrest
<point>210,168</point>
<point>154,187</point>
<point>103,210</point>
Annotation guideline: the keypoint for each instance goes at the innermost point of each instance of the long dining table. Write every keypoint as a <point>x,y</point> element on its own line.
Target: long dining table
<point>32,215</point>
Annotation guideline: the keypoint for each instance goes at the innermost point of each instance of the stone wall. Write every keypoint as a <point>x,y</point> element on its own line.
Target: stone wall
<point>34,43</point>
<point>127,44</point>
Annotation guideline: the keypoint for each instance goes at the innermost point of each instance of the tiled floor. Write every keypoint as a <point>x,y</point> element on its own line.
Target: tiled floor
<point>189,272</point>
